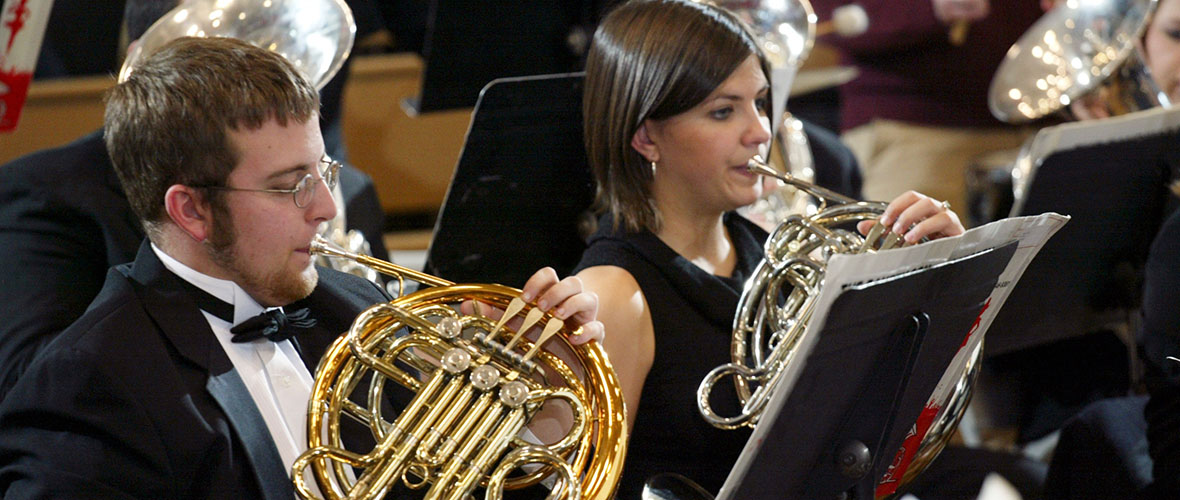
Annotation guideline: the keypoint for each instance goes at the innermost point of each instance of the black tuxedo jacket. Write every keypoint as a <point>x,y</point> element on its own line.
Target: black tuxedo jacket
<point>138,400</point>
<point>64,220</point>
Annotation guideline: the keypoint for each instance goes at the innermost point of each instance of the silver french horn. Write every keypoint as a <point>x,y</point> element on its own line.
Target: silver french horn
<point>775,308</point>
<point>316,36</point>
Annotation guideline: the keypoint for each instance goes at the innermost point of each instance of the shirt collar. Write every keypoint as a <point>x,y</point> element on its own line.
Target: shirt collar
<point>245,307</point>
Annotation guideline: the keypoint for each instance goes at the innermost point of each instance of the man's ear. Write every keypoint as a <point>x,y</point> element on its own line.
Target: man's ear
<point>188,209</point>
<point>642,143</point>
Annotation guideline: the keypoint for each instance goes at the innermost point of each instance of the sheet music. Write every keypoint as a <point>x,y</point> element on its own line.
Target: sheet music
<point>848,271</point>
<point>1073,135</point>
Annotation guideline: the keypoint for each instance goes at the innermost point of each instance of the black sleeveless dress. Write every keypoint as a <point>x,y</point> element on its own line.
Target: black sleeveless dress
<point>692,314</point>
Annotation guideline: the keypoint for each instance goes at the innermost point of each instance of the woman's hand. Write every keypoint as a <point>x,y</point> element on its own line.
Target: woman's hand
<point>565,299</point>
<point>915,216</point>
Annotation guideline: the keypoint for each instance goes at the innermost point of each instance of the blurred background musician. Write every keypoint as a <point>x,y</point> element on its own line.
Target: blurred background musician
<point>1083,347</point>
<point>64,220</point>
<point>1130,447</point>
<point>1127,447</point>
<point>669,254</point>
<point>917,113</point>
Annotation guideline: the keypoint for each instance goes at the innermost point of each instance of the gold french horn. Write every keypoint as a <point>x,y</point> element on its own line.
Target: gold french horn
<point>776,305</point>
<point>477,384</point>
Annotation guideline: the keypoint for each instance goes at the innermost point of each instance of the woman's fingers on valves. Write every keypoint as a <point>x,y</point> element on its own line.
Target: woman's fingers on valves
<point>566,299</point>
<point>916,216</point>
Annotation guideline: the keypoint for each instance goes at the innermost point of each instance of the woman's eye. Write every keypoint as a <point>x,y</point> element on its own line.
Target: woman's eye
<point>721,114</point>
<point>1173,34</point>
<point>763,104</point>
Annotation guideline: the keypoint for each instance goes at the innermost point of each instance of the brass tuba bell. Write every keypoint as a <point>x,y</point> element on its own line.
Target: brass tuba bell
<point>476,382</point>
<point>316,36</point>
<point>1078,49</point>
<point>776,305</point>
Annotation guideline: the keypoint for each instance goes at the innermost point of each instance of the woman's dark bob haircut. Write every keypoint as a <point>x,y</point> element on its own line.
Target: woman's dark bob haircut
<point>652,59</point>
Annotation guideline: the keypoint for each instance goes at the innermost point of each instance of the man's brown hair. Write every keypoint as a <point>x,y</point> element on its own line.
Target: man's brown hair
<point>168,123</point>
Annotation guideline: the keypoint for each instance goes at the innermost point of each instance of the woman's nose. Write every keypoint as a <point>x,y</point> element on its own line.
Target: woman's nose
<point>758,130</point>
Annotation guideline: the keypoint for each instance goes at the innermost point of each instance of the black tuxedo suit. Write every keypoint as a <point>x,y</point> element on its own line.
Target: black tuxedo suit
<point>64,220</point>
<point>137,399</point>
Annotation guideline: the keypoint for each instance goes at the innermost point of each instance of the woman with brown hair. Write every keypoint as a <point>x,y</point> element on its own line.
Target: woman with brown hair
<point>676,103</point>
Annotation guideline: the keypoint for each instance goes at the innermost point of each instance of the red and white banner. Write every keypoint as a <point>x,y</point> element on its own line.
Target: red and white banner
<point>22,27</point>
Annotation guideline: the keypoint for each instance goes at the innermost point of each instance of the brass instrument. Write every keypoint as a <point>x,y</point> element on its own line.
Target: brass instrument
<point>777,301</point>
<point>1078,49</point>
<point>477,383</point>
<point>1088,52</point>
<point>315,35</point>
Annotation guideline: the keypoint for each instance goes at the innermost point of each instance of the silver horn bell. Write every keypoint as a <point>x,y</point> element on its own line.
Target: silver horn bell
<point>1073,50</point>
<point>315,35</point>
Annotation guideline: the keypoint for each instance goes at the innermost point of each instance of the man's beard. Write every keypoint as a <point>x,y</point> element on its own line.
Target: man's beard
<point>279,285</point>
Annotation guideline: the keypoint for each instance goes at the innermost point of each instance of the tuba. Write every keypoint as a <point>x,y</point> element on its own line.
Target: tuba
<point>775,308</point>
<point>476,382</point>
<point>316,36</point>
<point>1078,49</point>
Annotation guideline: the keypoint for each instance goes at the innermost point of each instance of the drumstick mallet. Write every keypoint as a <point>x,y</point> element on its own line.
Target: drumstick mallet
<point>847,21</point>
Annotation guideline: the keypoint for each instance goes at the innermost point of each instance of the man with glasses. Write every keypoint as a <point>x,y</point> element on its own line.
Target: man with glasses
<point>64,220</point>
<point>164,388</point>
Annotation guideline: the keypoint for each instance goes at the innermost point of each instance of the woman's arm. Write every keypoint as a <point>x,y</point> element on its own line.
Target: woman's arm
<point>629,339</point>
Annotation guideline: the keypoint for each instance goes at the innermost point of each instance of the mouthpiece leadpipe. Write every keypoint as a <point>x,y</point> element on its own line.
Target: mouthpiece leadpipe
<point>321,246</point>
<point>758,166</point>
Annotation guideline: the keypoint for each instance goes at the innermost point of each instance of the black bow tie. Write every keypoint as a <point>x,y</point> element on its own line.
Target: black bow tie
<point>274,325</point>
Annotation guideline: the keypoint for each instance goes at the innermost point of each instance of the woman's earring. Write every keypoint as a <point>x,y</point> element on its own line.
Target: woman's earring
<point>653,169</point>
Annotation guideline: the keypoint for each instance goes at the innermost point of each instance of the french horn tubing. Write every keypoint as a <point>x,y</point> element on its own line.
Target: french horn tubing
<point>777,302</point>
<point>477,382</point>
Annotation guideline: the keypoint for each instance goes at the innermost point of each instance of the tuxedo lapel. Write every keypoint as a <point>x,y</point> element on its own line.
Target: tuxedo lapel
<point>176,314</point>
<point>229,391</point>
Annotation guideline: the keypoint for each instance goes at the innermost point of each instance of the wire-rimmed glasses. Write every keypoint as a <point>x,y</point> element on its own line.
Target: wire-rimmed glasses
<point>304,190</point>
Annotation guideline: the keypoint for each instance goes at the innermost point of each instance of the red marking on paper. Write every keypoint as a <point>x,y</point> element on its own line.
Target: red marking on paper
<point>975,326</point>
<point>19,12</point>
<point>14,87</point>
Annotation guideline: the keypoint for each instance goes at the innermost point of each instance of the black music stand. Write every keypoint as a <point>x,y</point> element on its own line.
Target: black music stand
<point>1116,195</point>
<point>521,186</point>
<point>881,352</point>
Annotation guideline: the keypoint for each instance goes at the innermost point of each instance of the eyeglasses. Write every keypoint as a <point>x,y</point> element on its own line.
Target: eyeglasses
<point>304,190</point>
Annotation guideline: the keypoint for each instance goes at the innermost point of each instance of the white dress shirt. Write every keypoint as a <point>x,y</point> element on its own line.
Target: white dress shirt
<point>273,372</point>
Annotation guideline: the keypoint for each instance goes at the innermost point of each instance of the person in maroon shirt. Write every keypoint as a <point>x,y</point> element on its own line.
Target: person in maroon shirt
<point>916,115</point>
